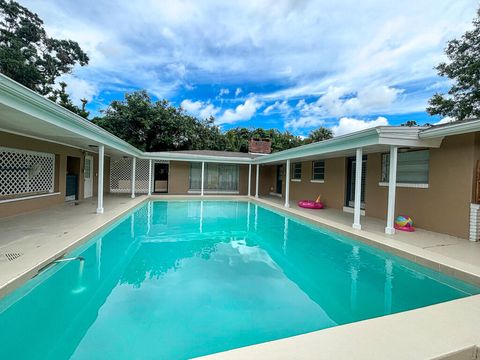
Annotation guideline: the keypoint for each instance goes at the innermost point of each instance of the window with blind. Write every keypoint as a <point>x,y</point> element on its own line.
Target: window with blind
<point>318,170</point>
<point>218,177</point>
<point>412,167</point>
<point>296,171</point>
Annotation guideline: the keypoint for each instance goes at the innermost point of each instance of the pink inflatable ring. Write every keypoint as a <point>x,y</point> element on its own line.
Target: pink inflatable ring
<point>310,204</point>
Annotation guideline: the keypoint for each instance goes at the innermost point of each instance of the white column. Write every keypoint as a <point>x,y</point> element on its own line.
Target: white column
<point>134,165</point>
<point>392,188</point>
<point>203,177</point>
<point>256,180</point>
<point>358,190</point>
<point>150,177</point>
<point>287,185</point>
<point>101,162</point>
<point>249,179</point>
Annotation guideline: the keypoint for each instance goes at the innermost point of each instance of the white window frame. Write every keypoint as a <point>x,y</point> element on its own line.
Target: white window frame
<point>313,179</point>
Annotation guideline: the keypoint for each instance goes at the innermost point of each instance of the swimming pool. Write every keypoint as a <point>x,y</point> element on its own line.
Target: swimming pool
<point>179,279</point>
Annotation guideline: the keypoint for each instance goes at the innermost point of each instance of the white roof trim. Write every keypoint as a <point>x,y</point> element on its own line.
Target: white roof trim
<point>195,158</point>
<point>451,129</point>
<point>381,135</point>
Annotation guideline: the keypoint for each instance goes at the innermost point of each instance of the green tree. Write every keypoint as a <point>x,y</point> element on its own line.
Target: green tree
<point>28,55</point>
<point>463,68</point>
<point>320,134</point>
<point>158,126</point>
<point>410,123</point>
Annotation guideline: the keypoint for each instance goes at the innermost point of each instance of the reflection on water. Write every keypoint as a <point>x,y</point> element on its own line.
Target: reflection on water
<point>186,278</point>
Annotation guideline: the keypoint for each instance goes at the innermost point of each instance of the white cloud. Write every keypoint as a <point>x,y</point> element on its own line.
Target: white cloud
<point>238,91</point>
<point>242,112</point>
<point>199,109</point>
<point>303,123</point>
<point>281,107</point>
<point>79,89</point>
<point>349,125</point>
<point>223,92</point>
<point>342,101</point>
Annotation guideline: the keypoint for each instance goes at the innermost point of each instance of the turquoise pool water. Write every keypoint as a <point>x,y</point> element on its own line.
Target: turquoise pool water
<point>179,279</point>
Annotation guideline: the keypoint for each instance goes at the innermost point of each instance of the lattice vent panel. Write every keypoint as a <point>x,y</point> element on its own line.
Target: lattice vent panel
<point>121,176</point>
<point>26,172</point>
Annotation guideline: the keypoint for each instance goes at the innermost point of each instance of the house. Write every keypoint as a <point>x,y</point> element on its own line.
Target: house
<point>49,155</point>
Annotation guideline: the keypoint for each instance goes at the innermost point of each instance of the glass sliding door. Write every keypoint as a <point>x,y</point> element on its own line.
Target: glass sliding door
<point>218,177</point>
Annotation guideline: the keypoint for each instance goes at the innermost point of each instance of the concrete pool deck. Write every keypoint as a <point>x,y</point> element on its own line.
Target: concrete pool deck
<point>449,330</point>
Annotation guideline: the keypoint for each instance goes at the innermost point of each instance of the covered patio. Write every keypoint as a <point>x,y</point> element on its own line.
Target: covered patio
<point>356,146</point>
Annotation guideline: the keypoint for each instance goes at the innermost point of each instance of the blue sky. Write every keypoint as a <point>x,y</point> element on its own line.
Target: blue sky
<point>288,64</point>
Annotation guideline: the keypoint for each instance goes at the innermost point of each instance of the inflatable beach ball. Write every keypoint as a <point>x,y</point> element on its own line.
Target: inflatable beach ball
<point>403,221</point>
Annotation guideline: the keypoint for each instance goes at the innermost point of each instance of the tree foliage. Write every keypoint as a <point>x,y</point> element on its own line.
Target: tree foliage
<point>158,126</point>
<point>463,68</point>
<point>28,55</point>
<point>320,134</point>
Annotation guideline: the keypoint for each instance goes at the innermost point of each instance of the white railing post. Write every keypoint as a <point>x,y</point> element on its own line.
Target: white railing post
<point>256,180</point>
<point>101,162</point>
<point>150,177</point>
<point>249,179</point>
<point>287,185</point>
<point>203,178</point>
<point>134,165</point>
<point>392,188</point>
<point>358,190</point>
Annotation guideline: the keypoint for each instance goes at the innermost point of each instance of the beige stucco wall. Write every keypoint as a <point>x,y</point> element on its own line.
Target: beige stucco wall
<point>332,189</point>
<point>61,153</point>
<point>445,206</point>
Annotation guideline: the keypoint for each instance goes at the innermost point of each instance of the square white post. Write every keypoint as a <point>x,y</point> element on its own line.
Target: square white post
<point>256,180</point>
<point>150,177</point>
<point>101,162</point>
<point>249,179</point>
<point>134,165</point>
<point>392,188</point>
<point>287,185</point>
<point>203,177</point>
<point>358,189</point>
